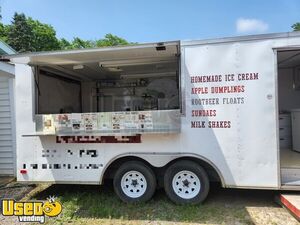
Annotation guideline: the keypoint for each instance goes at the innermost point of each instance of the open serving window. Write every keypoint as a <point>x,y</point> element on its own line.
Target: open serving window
<point>132,89</point>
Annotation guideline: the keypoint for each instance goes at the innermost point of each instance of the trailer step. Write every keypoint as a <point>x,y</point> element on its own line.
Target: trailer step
<point>292,203</point>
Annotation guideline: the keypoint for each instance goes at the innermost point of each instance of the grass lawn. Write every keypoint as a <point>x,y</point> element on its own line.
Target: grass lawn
<point>84,204</point>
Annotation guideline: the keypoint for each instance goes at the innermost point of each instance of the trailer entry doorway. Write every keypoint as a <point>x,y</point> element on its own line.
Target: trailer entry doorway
<point>288,62</point>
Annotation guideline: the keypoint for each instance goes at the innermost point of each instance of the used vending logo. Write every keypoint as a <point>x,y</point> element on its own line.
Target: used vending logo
<point>33,211</point>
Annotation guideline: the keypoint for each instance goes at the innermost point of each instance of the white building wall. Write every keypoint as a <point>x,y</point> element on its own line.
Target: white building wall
<point>7,130</point>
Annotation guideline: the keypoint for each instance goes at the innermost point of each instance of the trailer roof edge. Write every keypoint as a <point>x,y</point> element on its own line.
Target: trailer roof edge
<point>166,43</point>
<point>240,38</point>
<point>87,50</point>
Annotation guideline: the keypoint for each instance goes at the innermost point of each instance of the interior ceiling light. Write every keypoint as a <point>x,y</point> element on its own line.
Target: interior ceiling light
<point>114,69</point>
<point>135,62</point>
<point>78,67</point>
<point>148,75</point>
<point>111,68</point>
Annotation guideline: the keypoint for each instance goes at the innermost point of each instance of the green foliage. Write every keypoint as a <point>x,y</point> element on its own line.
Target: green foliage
<point>78,43</point>
<point>20,34</point>
<point>44,36</point>
<point>296,27</point>
<point>27,35</point>
<point>111,40</point>
<point>4,32</point>
<point>65,44</point>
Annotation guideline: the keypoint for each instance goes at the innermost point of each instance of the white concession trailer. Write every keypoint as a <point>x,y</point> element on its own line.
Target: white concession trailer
<point>178,114</point>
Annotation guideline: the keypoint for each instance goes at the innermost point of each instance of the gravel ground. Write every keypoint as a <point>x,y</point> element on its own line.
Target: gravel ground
<point>15,191</point>
<point>223,206</point>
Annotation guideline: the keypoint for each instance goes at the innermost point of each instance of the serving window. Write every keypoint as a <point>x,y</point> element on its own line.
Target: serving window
<point>127,89</point>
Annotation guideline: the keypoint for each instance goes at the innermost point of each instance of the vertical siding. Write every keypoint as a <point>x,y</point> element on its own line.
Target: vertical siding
<point>7,163</point>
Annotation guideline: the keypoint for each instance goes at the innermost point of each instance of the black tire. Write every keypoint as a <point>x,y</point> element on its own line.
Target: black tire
<point>185,165</point>
<point>148,174</point>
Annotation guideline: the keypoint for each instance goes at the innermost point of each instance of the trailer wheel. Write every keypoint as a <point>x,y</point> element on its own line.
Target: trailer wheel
<point>134,182</point>
<point>186,182</point>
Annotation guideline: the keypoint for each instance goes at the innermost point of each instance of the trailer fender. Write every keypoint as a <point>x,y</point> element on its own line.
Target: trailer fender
<point>160,160</point>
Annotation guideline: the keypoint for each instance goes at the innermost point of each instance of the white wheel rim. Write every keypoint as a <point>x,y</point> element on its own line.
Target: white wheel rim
<point>133,184</point>
<point>186,184</point>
